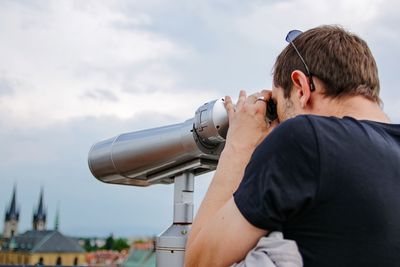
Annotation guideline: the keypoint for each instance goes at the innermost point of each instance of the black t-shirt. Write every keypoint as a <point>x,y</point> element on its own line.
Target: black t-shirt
<point>330,184</point>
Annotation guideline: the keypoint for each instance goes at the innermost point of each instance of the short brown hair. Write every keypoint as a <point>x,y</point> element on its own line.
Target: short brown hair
<point>340,59</point>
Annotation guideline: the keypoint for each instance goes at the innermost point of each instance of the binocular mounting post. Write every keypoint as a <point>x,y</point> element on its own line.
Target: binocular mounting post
<point>170,245</point>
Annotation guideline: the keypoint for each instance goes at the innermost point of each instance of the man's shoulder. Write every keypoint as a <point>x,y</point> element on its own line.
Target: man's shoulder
<point>299,126</point>
<point>297,132</point>
<point>301,132</point>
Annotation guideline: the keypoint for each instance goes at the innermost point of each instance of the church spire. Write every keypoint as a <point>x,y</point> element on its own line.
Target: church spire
<point>12,212</point>
<point>12,216</point>
<point>39,216</point>
<point>57,219</point>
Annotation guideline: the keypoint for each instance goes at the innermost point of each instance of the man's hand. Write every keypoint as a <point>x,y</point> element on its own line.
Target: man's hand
<point>248,124</point>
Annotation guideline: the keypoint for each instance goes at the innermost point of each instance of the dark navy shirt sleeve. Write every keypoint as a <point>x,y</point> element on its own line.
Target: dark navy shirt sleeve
<point>282,178</point>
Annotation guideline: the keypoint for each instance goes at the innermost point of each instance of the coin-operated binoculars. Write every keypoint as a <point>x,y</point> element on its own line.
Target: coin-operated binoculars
<point>170,154</point>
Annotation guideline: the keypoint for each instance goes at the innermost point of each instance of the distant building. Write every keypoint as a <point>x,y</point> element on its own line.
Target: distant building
<point>142,254</point>
<point>11,217</point>
<point>38,246</point>
<point>39,216</point>
<point>47,247</point>
<point>106,258</point>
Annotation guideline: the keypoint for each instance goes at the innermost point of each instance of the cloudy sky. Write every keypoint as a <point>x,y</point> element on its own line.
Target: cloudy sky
<point>75,72</point>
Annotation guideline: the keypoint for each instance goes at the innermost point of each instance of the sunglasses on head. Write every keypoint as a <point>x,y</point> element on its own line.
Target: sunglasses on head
<point>290,37</point>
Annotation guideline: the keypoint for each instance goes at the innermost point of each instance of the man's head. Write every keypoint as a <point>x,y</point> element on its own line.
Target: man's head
<point>340,63</point>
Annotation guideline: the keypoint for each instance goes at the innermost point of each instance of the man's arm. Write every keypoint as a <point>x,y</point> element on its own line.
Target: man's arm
<point>224,241</point>
<point>247,128</point>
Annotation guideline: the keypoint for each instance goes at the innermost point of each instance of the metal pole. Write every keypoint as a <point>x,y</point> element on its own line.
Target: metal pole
<point>170,245</point>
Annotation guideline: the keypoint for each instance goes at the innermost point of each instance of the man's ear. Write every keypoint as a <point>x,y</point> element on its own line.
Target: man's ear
<point>301,88</point>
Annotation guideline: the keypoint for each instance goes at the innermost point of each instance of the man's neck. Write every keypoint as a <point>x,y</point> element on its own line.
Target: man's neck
<point>357,107</point>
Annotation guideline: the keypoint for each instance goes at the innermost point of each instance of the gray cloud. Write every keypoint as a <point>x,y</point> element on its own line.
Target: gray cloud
<point>101,95</point>
<point>5,87</point>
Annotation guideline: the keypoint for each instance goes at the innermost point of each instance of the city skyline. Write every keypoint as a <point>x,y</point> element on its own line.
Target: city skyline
<point>76,72</point>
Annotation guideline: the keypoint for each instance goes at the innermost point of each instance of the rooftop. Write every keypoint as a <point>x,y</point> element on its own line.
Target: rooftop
<point>44,241</point>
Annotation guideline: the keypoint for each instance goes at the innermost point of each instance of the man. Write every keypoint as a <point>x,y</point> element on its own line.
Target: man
<point>326,173</point>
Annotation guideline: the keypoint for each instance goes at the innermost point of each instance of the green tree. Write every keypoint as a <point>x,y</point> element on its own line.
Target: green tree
<point>90,245</point>
<point>120,244</point>
<point>109,245</point>
<point>87,246</point>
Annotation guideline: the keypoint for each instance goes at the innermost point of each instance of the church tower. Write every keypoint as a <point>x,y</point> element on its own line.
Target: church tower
<point>12,217</point>
<point>39,216</point>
